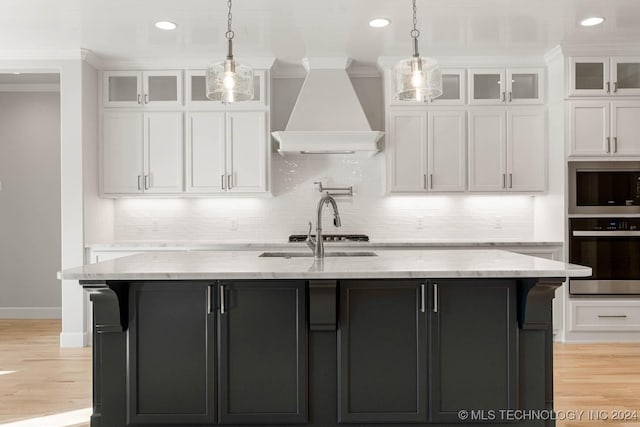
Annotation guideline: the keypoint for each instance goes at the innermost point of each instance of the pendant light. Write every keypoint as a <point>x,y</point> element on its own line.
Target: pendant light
<point>417,79</point>
<point>229,80</point>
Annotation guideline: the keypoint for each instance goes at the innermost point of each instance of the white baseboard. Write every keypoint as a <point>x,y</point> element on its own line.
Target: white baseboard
<point>74,339</point>
<point>30,313</point>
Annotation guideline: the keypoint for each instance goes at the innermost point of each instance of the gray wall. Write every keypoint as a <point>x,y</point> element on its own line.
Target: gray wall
<point>29,204</point>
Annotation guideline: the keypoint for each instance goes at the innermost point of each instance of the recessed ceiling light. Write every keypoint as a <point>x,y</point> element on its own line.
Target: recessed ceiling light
<point>379,22</point>
<point>590,22</point>
<point>166,25</point>
<point>15,72</point>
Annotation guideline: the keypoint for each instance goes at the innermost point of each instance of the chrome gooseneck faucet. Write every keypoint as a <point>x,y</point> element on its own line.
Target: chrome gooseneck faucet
<point>317,244</point>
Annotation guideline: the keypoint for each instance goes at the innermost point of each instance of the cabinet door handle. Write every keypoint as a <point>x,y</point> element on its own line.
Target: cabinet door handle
<point>139,99</point>
<point>209,309</point>
<point>503,96</point>
<point>504,180</point>
<point>424,181</point>
<point>618,316</point>
<point>229,181</point>
<point>510,96</point>
<point>510,180</point>
<point>615,144</point>
<point>223,309</point>
<point>146,98</point>
<point>608,87</point>
<point>222,186</point>
<point>615,87</point>
<point>431,181</point>
<point>147,182</point>
<point>423,305</point>
<point>608,144</point>
<point>139,182</point>
<point>435,297</point>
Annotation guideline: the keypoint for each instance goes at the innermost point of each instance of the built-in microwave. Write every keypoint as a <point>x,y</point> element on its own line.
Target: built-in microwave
<point>607,188</point>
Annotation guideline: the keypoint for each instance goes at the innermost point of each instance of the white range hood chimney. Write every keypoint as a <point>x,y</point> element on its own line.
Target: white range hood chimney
<point>327,117</point>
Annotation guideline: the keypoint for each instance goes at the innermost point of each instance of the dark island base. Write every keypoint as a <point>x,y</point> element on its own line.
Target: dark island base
<point>368,353</point>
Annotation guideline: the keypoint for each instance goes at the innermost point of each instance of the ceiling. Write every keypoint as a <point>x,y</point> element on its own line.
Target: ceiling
<point>292,29</point>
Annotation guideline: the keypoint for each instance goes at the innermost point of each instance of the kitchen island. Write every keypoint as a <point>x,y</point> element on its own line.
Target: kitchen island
<point>400,337</point>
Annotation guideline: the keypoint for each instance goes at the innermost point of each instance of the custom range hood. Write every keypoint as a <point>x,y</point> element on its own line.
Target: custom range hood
<point>327,117</point>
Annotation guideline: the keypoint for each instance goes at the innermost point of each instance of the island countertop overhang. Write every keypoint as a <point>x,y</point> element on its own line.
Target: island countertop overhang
<point>387,264</point>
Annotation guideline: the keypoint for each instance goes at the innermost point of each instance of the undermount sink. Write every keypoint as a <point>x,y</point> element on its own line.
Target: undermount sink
<point>310,255</point>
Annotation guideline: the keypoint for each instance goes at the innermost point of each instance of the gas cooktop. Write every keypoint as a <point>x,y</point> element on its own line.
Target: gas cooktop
<point>332,237</point>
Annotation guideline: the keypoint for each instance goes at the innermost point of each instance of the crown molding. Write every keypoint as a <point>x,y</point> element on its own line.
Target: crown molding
<point>326,63</point>
<point>195,63</point>
<point>555,54</point>
<point>388,62</point>
<point>599,48</point>
<point>91,58</point>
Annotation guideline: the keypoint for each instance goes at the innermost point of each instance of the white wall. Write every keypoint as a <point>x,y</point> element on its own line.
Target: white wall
<point>464,217</point>
<point>30,241</point>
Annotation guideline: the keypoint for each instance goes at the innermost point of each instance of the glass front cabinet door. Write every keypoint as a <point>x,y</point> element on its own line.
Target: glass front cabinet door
<point>604,76</point>
<point>625,75</point>
<point>142,88</point>
<point>499,86</point>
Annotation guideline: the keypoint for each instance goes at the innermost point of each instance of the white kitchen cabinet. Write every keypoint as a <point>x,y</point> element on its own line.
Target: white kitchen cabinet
<point>142,88</point>
<point>226,152</point>
<point>197,92</point>
<point>427,150</point>
<point>604,128</point>
<point>511,86</point>
<point>507,150</point>
<point>453,90</point>
<point>604,76</point>
<point>142,153</point>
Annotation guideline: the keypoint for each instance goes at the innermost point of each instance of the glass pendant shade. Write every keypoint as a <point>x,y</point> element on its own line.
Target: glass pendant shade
<point>417,79</point>
<point>229,81</point>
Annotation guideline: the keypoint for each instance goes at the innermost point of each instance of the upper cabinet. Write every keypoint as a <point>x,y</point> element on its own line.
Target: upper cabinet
<point>453,89</point>
<point>197,97</point>
<point>510,86</point>
<point>142,88</point>
<point>604,76</point>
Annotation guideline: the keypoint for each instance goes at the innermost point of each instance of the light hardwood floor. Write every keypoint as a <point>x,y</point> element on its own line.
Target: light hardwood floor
<point>49,380</point>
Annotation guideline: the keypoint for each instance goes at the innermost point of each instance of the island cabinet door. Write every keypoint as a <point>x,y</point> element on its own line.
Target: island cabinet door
<point>473,348</point>
<point>262,352</point>
<point>382,352</point>
<point>171,353</point>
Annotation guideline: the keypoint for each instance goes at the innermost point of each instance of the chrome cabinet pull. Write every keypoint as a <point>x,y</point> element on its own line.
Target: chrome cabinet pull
<point>423,305</point>
<point>503,96</point>
<point>612,316</point>
<point>222,182</point>
<point>223,309</point>
<point>608,144</point>
<point>510,180</point>
<point>139,99</point>
<point>209,299</point>
<point>615,144</point>
<point>510,96</point>
<point>229,181</point>
<point>608,87</point>
<point>435,297</point>
<point>504,180</point>
<point>139,182</point>
<point>615,87</point>
<point>431,181</point>
<point>147,182</point>
<point>424,181</point>
<point>146,98</point>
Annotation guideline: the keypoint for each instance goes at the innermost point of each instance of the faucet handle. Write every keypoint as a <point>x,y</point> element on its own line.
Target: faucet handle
<point>310,241</point>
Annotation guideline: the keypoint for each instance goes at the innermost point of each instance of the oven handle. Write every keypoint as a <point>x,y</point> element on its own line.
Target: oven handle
<point>621,233</point>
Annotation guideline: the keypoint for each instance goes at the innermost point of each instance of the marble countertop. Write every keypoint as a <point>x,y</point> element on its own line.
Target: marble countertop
<point>212,265</point>
<point>279,244</point>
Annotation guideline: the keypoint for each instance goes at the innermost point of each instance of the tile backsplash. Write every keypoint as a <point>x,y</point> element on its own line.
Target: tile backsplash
<point>404,217</point>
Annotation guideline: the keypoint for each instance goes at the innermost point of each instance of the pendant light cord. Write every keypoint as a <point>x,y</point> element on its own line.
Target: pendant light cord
<point>415,33</point>
<point>229,34</point>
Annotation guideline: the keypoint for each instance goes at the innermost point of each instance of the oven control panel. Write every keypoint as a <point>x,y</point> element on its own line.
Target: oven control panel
<point>605,224</point>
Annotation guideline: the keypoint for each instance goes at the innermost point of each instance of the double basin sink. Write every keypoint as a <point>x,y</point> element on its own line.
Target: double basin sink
<point>310,255</point>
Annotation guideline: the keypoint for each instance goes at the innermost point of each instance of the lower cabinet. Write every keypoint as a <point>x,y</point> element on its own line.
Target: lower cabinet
<point>240,347</point>
<point>382,351</point>
<point>473,347</point>
<point>263,353</point>
<point>171,354</point>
